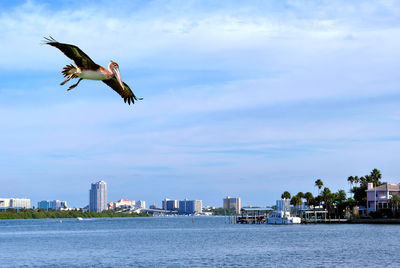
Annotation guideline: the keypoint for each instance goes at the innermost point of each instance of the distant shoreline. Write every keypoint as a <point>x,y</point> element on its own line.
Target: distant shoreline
<point>63,214</point>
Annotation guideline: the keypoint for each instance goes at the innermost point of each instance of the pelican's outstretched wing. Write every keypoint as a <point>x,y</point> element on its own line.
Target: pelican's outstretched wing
<point>74,53</point>
<point>125,93</point>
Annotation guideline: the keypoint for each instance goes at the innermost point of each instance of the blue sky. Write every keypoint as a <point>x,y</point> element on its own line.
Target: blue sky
<point>241,98</point>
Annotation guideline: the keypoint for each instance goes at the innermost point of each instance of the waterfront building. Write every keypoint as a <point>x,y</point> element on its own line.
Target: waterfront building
<point>125,203</point>
<point>154,206</point>
<point>98,196</point>
<point>169,204</point>
<point>110,205</point>
<point>54,205</point>
<point>232,203</point>
<point>15,203</point>
<point>57,204</point>
<point>45,205</point>
<point>141,204</point>
<point>283,204</point>
<point>20,203</point>
<point>4,202</point>
<point>190,206</point>
<point>164,203</point>
<point>380,196</point>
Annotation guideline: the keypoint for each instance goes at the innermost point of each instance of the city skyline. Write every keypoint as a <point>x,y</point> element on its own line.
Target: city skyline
<point>242,99</point>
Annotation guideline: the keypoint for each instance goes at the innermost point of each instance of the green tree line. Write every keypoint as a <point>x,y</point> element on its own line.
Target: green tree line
<point>221,211</point>
<point>59,214</point>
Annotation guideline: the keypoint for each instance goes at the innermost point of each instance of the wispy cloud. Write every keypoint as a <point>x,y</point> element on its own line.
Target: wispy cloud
<point>238,97</point>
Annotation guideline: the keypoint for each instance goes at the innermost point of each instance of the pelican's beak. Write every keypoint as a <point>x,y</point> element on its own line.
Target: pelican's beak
<point>115,70</point>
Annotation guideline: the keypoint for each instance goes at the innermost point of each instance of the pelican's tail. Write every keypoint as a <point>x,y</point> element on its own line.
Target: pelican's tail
<point>68,70</point>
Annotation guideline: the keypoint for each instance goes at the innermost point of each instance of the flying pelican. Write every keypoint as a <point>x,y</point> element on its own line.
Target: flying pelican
<point>88,69</point>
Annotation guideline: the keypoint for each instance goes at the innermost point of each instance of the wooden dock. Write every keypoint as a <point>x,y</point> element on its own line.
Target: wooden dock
<point>251,220</point>
<point>253,215</point>
<point>375,221</point>
<point>351,221</point>
<point>260,215</point>
<point>324,221</point>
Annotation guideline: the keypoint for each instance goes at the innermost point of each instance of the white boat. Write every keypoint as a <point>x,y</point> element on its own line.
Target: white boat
<point>79,219</point>
<point>282,217</point>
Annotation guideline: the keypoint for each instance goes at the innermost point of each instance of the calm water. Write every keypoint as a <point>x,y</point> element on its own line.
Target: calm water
<point>206,242</point>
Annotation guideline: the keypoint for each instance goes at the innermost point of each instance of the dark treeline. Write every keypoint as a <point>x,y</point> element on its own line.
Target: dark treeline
<point>337,203</point>
<point>221,211</point>
<point>59,214</point>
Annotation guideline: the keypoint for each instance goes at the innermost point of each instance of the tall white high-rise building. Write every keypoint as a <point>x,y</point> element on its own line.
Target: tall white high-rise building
<point>98,196</point>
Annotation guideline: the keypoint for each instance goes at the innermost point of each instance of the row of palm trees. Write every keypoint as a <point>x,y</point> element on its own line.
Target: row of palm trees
<point>333,202</point>
<point>330,200</point>
<point>359,185</point>
<point>374,177</point>
<point>337,202</point>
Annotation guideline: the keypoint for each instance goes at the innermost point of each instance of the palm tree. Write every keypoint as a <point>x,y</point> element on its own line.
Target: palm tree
<point>363,181</point>
<point>376,176</point>
<point>356,180</point>
<point>327,197</point>
<point>300,194</point>
<point>308,196</point>
<point>341,196</point>
<point>350,181</point>
<point>295,201</point>
<point>339,200</point>
<point>319,184</point>
<point>317,201</point>
<point>286,195</point>
<point>395,202</point>
<point>368,178</point>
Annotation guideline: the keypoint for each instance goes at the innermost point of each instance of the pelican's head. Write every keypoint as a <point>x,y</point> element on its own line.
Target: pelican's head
<point>114,68</point>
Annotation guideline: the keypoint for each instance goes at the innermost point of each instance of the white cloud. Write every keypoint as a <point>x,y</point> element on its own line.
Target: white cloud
<point>264,120</point>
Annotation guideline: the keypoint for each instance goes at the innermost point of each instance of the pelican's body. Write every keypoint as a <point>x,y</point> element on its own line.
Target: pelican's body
<point>101,74</point>
<point>86,69</point>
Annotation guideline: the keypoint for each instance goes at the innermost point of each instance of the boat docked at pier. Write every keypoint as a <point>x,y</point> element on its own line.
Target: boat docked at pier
<point>282,217</point>
<point>281,214</point>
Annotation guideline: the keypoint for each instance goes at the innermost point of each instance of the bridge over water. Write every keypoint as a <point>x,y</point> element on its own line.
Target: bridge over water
<point>153,211</point>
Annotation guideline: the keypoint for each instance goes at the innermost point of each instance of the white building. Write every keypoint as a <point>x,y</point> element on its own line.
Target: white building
<point>190,206</point>
<point>15,202</point>
<point>98,196</point>
<point>125,203</point>
<point>140,204</point>
<point>57,204</point>
<point>4,202</point>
